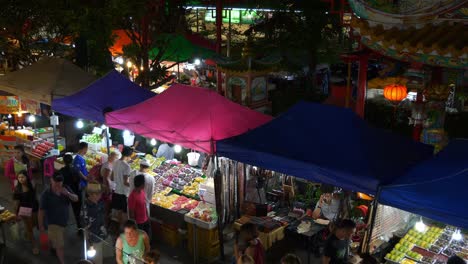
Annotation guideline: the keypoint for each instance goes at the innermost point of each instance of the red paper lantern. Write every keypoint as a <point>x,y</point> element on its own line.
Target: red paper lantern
<point>395,92</point>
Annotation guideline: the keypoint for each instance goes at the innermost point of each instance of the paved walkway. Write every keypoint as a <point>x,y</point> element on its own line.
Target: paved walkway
<point>19,252</point>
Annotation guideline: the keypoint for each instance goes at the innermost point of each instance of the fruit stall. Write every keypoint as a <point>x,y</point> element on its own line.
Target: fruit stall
<point>183,204</point>
<point>429,245</point>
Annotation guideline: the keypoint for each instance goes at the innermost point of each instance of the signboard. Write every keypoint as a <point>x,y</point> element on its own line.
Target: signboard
<point>13,105</point>
<point>9,104</point>
<point>237,16</point>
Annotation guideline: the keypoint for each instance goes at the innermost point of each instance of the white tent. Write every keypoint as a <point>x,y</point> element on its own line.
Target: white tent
<point>45,80</point>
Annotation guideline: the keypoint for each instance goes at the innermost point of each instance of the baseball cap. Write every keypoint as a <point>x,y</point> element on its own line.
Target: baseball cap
<point>57,177</point>
<point>144,162</point>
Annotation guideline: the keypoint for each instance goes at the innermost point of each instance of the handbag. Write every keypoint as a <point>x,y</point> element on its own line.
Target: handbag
<point>25,211</point>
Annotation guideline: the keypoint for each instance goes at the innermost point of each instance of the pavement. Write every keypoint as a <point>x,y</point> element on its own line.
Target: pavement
<point>19,252</point>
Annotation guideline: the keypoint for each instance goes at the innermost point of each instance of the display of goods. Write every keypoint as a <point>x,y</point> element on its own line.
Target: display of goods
<point>42,148</point>
<point>7,216</point>
<point>204,212</point>
<point>93,138</point>
<point>422,239</point>
<point>408,261</point>
<point>180,177</point>
<point>174,202</point>
<point>92,159</point>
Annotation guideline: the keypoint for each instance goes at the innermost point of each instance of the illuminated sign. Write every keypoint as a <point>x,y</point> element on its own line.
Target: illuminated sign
<point>237,16</point>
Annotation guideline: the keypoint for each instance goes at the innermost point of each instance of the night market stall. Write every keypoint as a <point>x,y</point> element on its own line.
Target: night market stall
<point>194,118</point>
<point>113,91</point>
<point>434,222</point>
<point>323,144</point>
<point>32,88</point>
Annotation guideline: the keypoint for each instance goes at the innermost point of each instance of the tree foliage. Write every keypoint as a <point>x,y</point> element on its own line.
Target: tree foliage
<point>302,31</point>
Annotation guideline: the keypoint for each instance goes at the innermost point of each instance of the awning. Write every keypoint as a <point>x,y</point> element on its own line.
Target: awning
<point>435,188</point>
<point>47,79</point>
<point>112,91</point>
<point>326,144</point>
<point>190,116</point>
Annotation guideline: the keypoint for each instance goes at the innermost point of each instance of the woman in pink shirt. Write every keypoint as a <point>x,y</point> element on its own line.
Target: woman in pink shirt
<point>17,163</point>
<point>137,205</point>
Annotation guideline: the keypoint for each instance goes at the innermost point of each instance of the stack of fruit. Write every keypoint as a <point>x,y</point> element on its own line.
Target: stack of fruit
<point>399,252</point>
<point>93,138</point>
<point>7,216</point>
<point>423,240</point>
<point>42,148</point>
<point>92,159</point>
<point>173,202</point>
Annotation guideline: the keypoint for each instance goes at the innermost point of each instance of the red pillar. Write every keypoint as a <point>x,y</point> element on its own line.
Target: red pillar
<point>219,23</point>
<point>362,84</point>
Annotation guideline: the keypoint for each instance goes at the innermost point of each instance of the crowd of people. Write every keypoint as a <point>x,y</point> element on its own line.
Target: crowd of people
<point>113,193</point>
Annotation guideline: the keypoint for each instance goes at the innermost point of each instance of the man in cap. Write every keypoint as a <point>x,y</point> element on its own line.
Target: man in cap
<point>55,204</point>
<point>149,181</point>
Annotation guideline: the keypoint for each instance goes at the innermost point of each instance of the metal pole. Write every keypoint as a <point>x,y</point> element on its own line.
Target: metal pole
<point>107,142</point>
<point>196,11</point>
<point>54,121</point>
<point>219,23</point>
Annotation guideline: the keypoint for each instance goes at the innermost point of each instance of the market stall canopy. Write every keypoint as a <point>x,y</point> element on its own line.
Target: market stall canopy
<point>326,144</point>
<point>45,80</point>
<point>113,91</point>
<point>190,116</point>
<point>435,188</point>
<point>178,48</point>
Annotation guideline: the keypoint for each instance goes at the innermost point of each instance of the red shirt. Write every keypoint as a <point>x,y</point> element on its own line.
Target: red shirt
<point>137,204</point>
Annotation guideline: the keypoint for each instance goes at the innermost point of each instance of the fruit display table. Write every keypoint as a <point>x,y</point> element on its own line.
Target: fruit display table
<point>269,230</point>
<point>432,246</point>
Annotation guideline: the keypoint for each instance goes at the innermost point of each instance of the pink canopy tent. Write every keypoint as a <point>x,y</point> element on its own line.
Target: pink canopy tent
<point>190,116</point>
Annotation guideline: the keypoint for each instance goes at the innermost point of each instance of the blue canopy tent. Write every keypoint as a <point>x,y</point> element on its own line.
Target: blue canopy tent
<point>436,188</point>
<point>111,92</point>
<point>326,144</point>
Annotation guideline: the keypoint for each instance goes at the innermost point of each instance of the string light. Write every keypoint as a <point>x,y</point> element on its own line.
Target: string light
<point>31,119</point>
<point>91,252</point>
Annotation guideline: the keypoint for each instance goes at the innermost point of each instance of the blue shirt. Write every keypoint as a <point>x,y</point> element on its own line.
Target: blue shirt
<point>55,207</point>
<point>80,164</point>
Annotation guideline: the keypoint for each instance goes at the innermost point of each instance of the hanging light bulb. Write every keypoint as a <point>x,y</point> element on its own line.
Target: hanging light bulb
<point>153,142</point>
<point>31,119</point>
<point>20,114</point>
<point>126,133</point>
<point>129,64</point>
<point>103,127</point>
<point>91,252</point>
<point>79,124</point>
<point>9,116</point>
<point>420,226</point>
<point>177,149</point>
<point>197,62</point>
<point>457,235</point>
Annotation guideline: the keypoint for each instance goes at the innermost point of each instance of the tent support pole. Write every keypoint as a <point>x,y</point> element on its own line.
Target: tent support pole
<point>218,189</point>
<point>107,142</point>
<point>375,204</point>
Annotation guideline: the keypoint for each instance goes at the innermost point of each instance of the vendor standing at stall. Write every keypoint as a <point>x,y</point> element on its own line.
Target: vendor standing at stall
<point>120,175</point>
<point>166,151</point>
<point>329,204</point>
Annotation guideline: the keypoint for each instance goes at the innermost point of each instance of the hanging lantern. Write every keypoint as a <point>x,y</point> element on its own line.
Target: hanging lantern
<point>395,92</point>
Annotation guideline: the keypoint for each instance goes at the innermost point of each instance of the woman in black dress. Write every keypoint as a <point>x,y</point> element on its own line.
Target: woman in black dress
<point>26,206</point>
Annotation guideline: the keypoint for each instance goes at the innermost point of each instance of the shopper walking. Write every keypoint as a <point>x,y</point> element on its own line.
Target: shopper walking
<point>137,209</point>
<point>120,175</point>
<point>108,185</point>
<point>71,179</point>
<point>54,206</point>
<point>93,220</point>
<point>26,205</point>
<point>19,162</point>
<point>132,245</point>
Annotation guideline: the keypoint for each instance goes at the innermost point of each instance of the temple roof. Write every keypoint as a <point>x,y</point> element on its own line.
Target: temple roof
<point>439,44</point>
